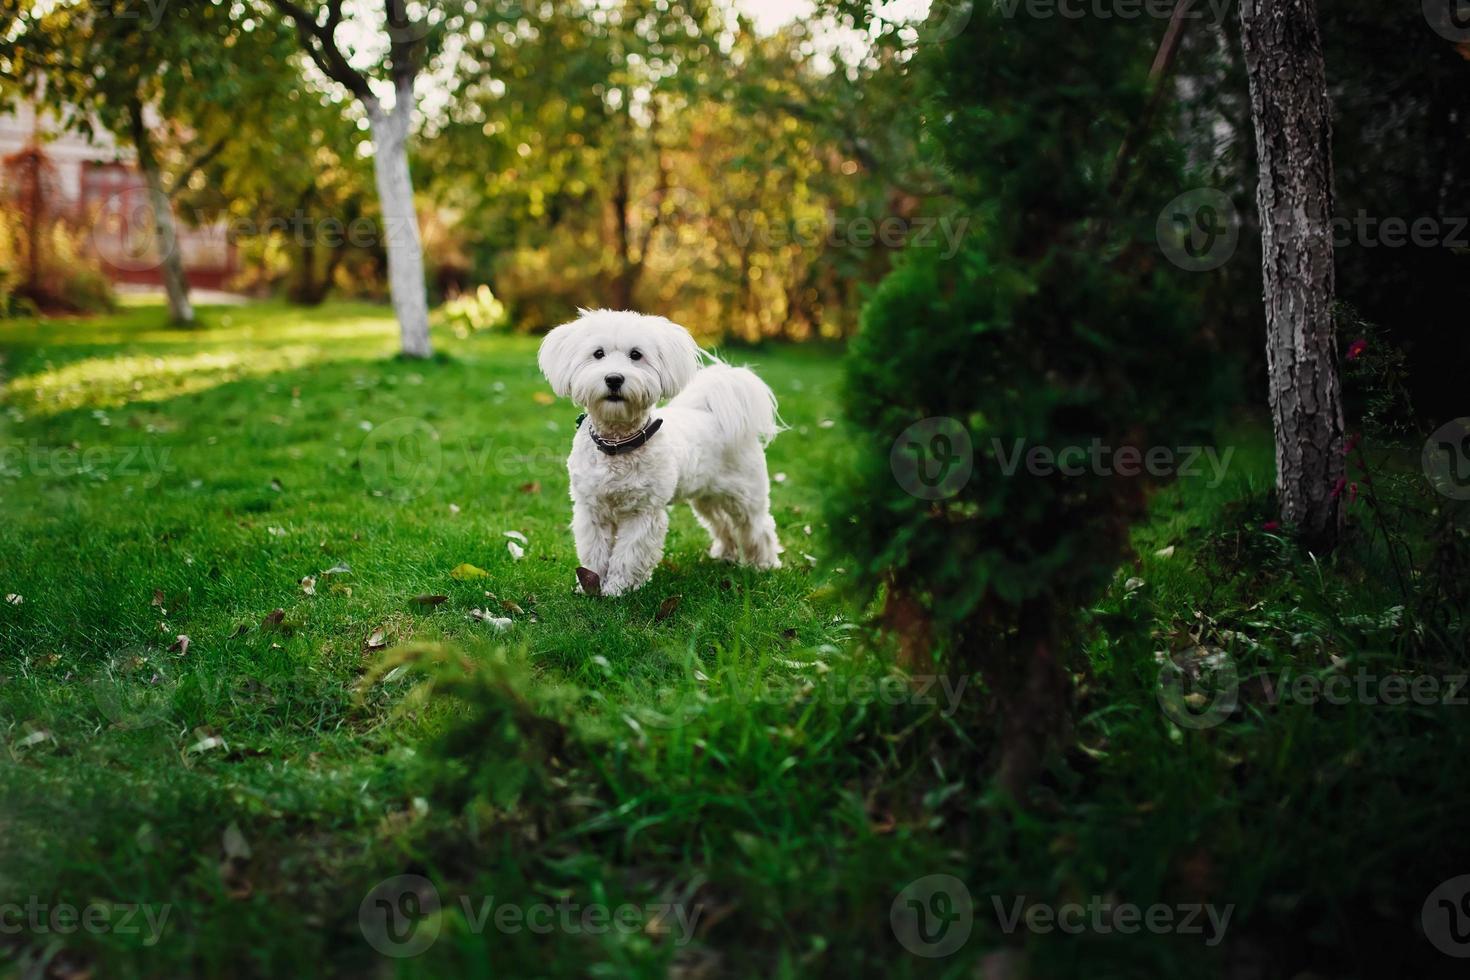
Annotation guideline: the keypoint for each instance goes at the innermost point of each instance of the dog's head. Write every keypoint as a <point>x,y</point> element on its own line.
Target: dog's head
<point>618,365</point>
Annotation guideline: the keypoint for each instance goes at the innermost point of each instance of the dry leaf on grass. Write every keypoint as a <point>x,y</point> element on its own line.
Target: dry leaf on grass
<point>465,572</point>
<point>485,616</point>
<point>590,581</point>
<point>430,600</point>
<point>667,608</point>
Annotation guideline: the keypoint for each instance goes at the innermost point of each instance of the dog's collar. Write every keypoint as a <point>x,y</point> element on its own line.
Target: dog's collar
<point>616,447</point>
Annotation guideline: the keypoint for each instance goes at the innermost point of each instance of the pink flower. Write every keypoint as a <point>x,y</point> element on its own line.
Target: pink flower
<point>1271,526</point>
<point>1352,492</point>
<point>1338,487</point>
<point>1356,348</point>
<point>1351,444</point>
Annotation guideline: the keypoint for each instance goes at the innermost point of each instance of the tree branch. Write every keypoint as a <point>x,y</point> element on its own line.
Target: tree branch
<point>320,42</point>
<point>403,46</point>
<point>197,164</point>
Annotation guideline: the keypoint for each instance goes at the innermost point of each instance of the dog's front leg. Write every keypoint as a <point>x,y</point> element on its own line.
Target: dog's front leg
<point>594,539</point>
<point>636,551</point>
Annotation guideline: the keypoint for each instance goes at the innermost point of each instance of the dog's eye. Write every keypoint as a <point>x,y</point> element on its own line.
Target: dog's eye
<point>635,355</point>
<point>597,353</point>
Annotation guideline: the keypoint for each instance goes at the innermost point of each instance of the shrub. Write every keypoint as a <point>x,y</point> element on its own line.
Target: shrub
<point>67,277</point>
<point>1057,324</point>
<point>474,312</point>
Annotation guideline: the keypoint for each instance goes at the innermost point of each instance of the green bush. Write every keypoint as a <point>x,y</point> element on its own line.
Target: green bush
<point>1058,324</point>
<point>69,278</point>
<point>474,312</point>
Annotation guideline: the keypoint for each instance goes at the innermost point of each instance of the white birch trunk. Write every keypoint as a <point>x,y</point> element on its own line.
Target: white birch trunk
<point>400,221</point>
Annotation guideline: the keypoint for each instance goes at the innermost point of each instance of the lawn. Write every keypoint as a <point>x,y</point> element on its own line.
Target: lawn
<point>391,702</point>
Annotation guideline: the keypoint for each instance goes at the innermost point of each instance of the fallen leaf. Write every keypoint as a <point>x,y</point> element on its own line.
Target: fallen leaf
<point>34,738</point>
<point>532,487</point>
<point>516,551</point>
<point>516,536</point>
<point>466,572</point>
<point>454,508</point>
<point>430,600</point>
<point>308,585</point>
<point>377,639</point>
<point>511,607</point>
<point>590,581</point>
<point>666,608</point>
<point>233,869</point>
<point>544,398</point>
<point>206,743</point>
<point>276,486</point>
<point>273,619</point>
<point>826,424</point>
<point>181,645</point>
<point>1165,552</point>
<point>484,616</point>
<point>158,597</point>
<point>14,599</point>
<point>341,568</point>
<point>235,845</point>
<point>779,478</point>
<point>278,532</point>
<point>1133,584</point>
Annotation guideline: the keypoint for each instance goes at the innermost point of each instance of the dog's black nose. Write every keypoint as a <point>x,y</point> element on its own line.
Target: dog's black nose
<point>613,381</point>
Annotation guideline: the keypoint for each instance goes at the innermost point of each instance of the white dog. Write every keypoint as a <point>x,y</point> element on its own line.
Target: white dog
<point>631,460</point>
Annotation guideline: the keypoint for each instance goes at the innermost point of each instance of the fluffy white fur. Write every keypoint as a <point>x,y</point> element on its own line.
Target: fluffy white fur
<point>710,450</point>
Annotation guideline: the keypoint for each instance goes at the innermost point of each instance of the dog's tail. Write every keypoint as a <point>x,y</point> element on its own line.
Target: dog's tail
<point>742,404</point>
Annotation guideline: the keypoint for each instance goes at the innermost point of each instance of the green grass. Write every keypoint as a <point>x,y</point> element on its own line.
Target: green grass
<point>744,752</point>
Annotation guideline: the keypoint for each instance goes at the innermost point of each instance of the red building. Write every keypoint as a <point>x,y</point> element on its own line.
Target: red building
<point>93,184</point>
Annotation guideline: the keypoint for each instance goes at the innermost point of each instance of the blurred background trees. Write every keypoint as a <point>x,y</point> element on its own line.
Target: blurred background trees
<point>674,158</point>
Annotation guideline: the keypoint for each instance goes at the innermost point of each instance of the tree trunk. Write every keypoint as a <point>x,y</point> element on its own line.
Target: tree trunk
<point>400,222</point>
<point>1033,697</point>
<point>175,285</point>
<point>1283,54</point>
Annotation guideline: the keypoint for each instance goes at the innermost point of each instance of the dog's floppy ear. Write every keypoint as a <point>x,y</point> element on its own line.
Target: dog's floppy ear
<point>557,357</point>
<point>676,357</point>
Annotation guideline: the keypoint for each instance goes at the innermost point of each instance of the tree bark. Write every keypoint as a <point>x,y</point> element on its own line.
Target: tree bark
<point>1283,54</point>
<point>1033,696</point>
<point>175,284</point>
<point>400,221</point>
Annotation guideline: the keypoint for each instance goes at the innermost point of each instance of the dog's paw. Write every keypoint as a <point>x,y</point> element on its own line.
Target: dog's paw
<point>719,552</point>
<point>588,581</point>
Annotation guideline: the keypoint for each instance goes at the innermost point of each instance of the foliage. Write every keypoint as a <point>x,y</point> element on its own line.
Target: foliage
<point>1056,325</point>
<point>636,154</point>
<point>68,276</point>
<point>474,312</point>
